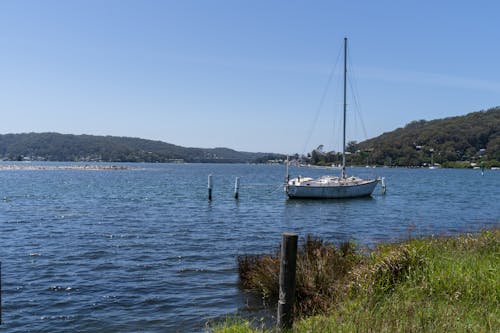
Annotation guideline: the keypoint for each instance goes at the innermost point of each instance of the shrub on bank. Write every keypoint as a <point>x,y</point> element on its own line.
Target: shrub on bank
<point>320,275</point>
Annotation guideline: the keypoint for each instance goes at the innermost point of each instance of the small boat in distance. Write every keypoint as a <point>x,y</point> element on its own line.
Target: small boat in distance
<point>332,187</point>
<point>433,165</point>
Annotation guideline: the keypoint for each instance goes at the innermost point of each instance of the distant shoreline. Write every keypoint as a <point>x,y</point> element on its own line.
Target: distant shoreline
<point>84,167</point>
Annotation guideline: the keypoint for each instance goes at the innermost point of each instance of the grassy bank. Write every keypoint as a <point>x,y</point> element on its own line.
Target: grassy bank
<point>422,285</point>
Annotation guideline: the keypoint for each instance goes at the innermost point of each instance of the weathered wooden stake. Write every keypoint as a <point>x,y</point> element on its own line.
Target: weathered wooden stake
<point>287,281</point>
<point>210,187</point>
<point>0,293</point>
<point>236,187</point>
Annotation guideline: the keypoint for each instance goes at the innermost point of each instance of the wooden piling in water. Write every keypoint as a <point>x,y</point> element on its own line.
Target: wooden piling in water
<point>210,187</point>
<point>287,281</point>
<point>236,187</point>
<point>0,293</point>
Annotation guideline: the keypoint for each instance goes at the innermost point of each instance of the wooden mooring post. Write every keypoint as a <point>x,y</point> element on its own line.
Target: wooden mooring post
<point>236,187</point>
<point>209,187</point>
<point>287,281</point>
<point>0,293</point>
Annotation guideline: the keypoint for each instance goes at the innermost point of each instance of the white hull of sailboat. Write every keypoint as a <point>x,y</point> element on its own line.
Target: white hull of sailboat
<point>331,191</point>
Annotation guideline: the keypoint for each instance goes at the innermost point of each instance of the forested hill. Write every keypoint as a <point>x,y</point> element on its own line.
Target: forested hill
<point>67,147</point>
<point>473,137</point>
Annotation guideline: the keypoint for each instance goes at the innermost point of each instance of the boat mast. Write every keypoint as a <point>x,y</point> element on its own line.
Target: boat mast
<point>345,105</point>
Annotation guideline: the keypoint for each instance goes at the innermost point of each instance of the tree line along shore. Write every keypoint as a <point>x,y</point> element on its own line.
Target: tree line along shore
<point>464,141</point>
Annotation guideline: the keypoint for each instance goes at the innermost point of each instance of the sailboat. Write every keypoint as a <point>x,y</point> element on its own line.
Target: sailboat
<point>332,187</point>
<point>432,165</point>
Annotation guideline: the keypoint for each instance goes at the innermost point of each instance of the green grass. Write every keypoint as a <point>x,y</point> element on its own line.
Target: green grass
<point>235,325</point>
<point>423,285</point>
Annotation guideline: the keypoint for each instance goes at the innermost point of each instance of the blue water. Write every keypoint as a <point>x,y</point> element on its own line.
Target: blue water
<point>144,250</point>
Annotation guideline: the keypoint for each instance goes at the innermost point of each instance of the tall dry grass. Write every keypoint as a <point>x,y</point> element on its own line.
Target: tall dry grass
<point>321,275</point>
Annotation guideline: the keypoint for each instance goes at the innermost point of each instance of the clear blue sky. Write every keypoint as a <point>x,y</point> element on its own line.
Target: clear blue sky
<point>247,75</point>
